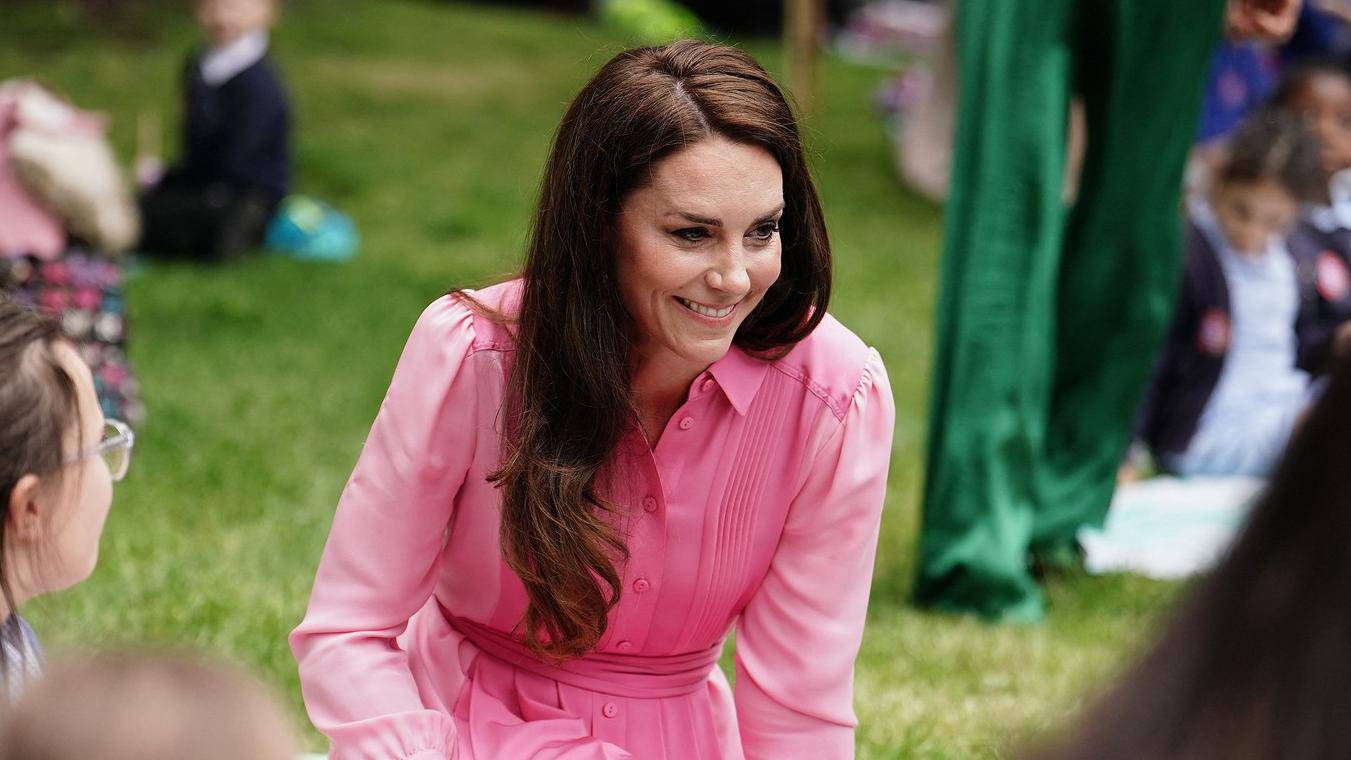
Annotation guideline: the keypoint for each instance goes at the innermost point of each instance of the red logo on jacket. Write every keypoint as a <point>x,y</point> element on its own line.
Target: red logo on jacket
<point>1332,278</point>
<point>1212,338</point>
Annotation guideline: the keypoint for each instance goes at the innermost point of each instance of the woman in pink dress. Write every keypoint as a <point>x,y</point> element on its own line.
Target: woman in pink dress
<point>581,481</point>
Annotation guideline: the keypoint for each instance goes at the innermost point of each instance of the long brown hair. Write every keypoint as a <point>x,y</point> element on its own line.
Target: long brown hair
<point>39,408</point>
<point>1254,663</point>
<point>568,395</point>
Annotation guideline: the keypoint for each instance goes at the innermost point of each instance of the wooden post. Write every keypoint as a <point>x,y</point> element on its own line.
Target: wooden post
<point>801,23</point>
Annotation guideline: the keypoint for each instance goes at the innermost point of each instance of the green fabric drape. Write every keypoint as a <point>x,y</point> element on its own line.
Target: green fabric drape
<point>1049,317</point>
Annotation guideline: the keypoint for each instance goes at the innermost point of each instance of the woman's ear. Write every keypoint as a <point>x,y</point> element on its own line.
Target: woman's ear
<point>24,518</point>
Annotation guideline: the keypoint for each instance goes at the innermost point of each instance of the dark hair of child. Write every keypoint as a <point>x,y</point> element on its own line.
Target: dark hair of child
<point>1272,144</point>
<point>1298,77</point>
<point>1254,662</point>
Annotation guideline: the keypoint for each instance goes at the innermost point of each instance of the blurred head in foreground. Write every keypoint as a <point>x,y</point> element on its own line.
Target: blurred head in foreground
<point>146,707</point>
<point>1256,661</point>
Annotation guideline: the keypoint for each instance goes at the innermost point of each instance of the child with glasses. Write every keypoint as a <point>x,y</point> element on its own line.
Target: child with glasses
<point>58,460</point>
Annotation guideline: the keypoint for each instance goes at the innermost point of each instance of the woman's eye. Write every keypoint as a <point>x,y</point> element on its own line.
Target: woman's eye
<point>765,231</point>
<point>691,234</point>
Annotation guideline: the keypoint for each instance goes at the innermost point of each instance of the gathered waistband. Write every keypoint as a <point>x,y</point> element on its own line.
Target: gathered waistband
<point>622,675</point>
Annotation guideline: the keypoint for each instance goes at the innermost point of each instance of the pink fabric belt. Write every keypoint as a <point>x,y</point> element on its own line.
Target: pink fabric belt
<point>622,675</point>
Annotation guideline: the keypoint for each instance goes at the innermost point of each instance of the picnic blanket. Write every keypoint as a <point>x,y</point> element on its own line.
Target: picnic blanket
<point>1169,527</point>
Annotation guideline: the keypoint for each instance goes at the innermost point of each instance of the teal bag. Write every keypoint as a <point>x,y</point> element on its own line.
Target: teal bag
<point>308,229</point>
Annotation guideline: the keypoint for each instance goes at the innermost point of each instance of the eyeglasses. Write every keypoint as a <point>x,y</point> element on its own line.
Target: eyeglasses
<point>115,448</point>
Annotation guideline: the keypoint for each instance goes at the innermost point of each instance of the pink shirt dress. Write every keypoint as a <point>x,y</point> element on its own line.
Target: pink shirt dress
<point>758,511</point>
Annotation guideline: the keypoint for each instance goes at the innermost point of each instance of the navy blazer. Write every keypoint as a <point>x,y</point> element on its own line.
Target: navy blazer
<point>237,132</point>
<point>1324,260</point>
<point>1193,354</point>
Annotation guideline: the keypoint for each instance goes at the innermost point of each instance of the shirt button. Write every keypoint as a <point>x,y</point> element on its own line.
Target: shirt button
<point>641,585</point>
<point>707,385</point>
<point>686,423</point>
<point>650,504</point>
<point>610,710</point>
<point>624,646</point>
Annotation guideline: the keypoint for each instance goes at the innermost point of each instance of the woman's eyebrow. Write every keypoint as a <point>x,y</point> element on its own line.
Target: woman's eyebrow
<point>708,220</point>
<point>770,216</point>
<point>715,222</point>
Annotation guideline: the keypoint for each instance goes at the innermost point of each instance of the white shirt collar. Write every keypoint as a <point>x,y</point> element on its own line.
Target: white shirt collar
<point>221,64</point>
<point>1337,214</point>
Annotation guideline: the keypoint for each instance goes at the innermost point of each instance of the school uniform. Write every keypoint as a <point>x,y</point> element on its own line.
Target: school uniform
<point>235,167</point>
<point>1226,392</point>
<point>1321,245</point>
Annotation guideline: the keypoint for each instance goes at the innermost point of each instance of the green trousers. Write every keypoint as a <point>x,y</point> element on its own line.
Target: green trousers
<point>1049,317</point>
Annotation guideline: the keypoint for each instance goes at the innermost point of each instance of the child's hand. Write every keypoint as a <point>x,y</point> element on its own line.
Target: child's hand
<point>1261,20</point>
<point>1127,474</point>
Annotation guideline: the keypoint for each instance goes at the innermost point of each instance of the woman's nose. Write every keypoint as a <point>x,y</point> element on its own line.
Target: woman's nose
<point>729,276</point>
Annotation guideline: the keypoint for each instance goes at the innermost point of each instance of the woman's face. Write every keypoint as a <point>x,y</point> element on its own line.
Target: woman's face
<point>698,247</point>
<point>82,496</point>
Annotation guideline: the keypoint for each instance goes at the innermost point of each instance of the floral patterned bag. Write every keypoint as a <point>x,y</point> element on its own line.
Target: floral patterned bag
<point>83,289</point>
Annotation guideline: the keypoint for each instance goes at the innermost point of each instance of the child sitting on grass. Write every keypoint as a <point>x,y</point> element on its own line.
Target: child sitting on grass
<point>1319,93</point>
<point>58,461</point>
<point>1226,392</point>
<point>235,166</point>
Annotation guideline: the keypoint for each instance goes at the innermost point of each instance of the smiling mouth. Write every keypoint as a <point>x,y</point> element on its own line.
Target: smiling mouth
<point>706,311</point>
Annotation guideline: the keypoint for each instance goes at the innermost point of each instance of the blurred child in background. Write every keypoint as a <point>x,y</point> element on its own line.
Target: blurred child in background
<point>1226,392</point>
<point>235,163</point>
<point>1319,93</point>
<point>66,216</point>
<point>58,460</point>
<point>144,707</point>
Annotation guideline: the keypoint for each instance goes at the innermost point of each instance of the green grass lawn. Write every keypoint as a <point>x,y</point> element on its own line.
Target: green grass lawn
<point>428,123</point>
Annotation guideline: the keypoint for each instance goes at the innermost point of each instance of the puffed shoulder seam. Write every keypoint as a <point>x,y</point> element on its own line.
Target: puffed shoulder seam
<point>451,319</point>
<point>865,381</point>
<point>865,378</point>
<point>462,316</point>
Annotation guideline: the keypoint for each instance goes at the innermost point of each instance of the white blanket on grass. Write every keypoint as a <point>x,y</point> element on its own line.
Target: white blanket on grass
<point>1169,527</point>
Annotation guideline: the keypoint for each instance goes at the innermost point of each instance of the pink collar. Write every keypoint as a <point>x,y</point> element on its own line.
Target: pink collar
<point>739,375</point>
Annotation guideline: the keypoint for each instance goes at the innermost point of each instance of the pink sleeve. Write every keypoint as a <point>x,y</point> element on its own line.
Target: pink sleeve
<point>798,637</point>
<point>378,567</point>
